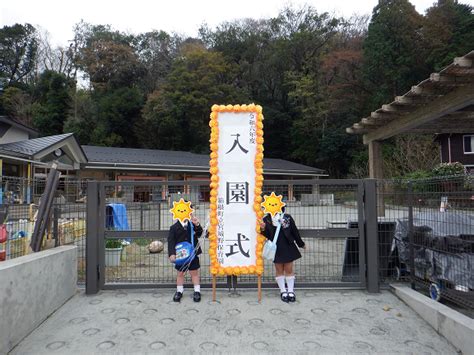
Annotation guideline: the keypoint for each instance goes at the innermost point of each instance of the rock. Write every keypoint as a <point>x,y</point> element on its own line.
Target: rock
<point>155,247</point>
<point>387,308</point>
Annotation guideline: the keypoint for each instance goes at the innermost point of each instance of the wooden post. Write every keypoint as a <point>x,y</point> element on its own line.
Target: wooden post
<point>376,171</point>
<point>259,282</point>
<point>214,288</point>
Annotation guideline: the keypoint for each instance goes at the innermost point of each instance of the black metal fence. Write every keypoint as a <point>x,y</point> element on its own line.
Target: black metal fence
<point>421,225</point>
<point>426,235</point>
<point>135,214</point>
<point>19,199</point>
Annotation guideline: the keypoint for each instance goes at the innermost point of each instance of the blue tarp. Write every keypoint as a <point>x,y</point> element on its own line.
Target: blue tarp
<point>117,219</point>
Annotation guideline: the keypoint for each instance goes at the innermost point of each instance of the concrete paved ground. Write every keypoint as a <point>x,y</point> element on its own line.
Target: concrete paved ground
<point>321,321</point>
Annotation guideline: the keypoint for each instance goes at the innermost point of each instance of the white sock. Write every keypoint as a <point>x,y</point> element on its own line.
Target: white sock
<point>197,288</point>
<point>290,281</point>
<point>180,288</point>
<point>281,283</point>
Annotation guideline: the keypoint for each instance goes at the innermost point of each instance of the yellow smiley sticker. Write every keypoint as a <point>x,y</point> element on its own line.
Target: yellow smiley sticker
<point>273,204</point>
<point>182,210</point>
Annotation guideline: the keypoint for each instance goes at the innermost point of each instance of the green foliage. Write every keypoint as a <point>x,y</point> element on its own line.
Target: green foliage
<point>118,111</point>
<point>313,73</point>
<point>393,62</point>
<point>448,32</point>
<point>448,169</point>
<point>18,50</point>
<point>53,102</point>
<point>179,113</point>
<point>18,104</point>
<point>113,243</point>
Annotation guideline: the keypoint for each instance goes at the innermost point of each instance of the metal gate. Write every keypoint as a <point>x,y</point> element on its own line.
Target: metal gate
<point>337,219</point>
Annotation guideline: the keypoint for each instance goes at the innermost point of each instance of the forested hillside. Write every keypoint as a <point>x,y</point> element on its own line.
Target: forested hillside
<point>314,75</point>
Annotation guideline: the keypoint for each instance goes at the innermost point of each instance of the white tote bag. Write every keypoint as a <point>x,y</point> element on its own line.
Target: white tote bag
<point>270,247</point>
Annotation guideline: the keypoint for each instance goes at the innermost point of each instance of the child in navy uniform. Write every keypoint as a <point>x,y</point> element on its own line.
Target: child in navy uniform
<point>286,253</point>
<point>181,232</point>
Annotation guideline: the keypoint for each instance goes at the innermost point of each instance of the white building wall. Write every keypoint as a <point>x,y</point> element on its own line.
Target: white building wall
<point>14,135</point>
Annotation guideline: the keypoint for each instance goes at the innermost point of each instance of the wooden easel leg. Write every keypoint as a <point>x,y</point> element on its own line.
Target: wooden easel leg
<point>214,288</point>
<point>259,288</point>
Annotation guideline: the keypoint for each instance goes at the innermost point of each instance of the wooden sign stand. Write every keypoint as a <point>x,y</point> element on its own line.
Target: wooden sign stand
<point>259,287</point>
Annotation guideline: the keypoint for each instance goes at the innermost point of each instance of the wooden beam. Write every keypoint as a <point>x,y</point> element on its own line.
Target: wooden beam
<point>446,79</point>
<point>375,160</point>
<point>442,130</point>
<point>462,62</point>
<point>454,101</point>
<point>384,115</point>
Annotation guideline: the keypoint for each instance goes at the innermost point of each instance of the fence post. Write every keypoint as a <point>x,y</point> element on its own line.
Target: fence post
<point>92,237</point>
<point>410,234</point>
<point>371,235</point>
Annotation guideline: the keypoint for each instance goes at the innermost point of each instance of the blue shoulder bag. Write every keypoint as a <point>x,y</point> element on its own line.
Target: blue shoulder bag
<point>185,250</point>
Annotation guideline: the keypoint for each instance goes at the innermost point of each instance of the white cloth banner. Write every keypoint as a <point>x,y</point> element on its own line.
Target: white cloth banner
<point>236,234</point>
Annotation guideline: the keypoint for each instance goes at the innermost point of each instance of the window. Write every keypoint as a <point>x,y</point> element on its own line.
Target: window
<point>468,144</point>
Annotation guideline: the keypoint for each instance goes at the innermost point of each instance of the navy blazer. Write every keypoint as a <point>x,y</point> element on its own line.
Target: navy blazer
<point>288,227</point>
<point>178,234</point>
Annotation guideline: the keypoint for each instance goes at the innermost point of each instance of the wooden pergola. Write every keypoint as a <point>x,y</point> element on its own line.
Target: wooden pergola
<point>444,103</point>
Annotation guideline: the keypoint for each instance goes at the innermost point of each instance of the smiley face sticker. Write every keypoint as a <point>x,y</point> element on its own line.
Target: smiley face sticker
<point>182,210</point>
<point>273,204</point>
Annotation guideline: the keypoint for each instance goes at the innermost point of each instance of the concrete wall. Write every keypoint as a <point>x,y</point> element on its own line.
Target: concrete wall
<point>457,328</point>
<point>32,287</point>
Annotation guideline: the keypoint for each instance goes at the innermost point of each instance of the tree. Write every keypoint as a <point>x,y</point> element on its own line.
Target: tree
<point>393,60</point>
<point>179,113</point>
<point>118,112</point>
<point>156,52</point>
<point>18,48</point>
<point>58,59</point>
<point>107,57</point>
<point>52,102</point>
<point>82,117</point>
<point>17,104</point>
<point>448,32</point>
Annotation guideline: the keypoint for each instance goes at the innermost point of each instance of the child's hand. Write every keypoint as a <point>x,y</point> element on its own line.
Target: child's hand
<point>262,224</point>
<point>172,258</point>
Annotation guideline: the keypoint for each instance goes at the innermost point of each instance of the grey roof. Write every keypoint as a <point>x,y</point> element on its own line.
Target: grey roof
<point>169,159</point>
<point>33,132</point>
<point>28,148</point>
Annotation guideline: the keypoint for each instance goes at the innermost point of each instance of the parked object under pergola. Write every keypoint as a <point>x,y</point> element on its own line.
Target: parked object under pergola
<point>443,103</point>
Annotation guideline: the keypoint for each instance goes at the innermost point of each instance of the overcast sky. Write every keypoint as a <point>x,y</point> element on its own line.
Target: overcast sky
<point>181,16</point>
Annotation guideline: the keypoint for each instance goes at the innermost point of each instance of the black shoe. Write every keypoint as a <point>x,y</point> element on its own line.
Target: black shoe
<point>284,297</point>
<point>197,296</point>
<point>291,297</point>
<point>177,296</point>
